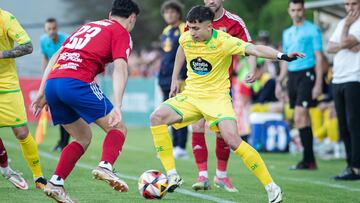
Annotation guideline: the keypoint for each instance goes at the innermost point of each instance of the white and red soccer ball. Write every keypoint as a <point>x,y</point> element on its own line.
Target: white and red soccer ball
<point>152,184</point>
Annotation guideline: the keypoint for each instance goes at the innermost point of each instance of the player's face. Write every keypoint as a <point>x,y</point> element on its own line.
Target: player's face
<point>296,12</point>
<point>352,5</point>
<point>51,29</point>
<point>214,5</point>
<point>171,16</point>
<point>200,31</point>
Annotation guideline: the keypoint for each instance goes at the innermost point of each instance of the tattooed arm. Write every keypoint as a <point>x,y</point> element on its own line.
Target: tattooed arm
<point>18,51</point>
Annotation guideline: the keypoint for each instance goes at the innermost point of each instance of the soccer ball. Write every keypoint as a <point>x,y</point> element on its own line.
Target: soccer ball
<point>152,184</point>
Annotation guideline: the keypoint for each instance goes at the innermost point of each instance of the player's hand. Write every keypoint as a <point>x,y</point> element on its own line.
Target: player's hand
<point>351,17</point>
<point>115,117</point>
<point>355,48</point>
<point>175,88</point>
<point>250,77</point>
<point>291,56</point>
<point>316,91</point>
<point>38,104</point>
<point>1,54</point>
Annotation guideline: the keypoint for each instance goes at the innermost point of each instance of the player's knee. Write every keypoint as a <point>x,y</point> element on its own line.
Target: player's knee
<point>84,141</point>
<point>124,130</point>
<point>21,133</point>
<point>300,121</point>
<point>301,118</point>
<point>121,127</point>
<point>232,139</point>
<point>157,118</point>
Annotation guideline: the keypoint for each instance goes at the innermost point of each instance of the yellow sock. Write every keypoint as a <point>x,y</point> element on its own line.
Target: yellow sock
<point>316,119</point>
<point>253,161</point>
<point>163,145</point>
<point>331,127</point>
<point>31,155</point>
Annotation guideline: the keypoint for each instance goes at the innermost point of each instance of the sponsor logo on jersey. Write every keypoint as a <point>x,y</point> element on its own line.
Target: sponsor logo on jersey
<point>74,57</point>
<point>176,33</point>
<point>200,66</point>
<point>69,65</point>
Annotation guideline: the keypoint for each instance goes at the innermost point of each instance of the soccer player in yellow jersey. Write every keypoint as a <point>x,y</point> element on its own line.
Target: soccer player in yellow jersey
<point>12,109</point>
<point>208,54</point>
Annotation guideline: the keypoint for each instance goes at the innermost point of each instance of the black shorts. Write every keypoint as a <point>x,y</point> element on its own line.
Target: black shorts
<point>300,85</point>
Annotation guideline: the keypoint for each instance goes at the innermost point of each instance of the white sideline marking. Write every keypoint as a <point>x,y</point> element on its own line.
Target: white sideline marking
<point>137,149</point>
<point>86,166</point>
<point>322,183</point>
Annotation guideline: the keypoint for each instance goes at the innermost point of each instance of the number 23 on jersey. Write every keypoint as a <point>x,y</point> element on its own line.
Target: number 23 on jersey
<point>83,36</point>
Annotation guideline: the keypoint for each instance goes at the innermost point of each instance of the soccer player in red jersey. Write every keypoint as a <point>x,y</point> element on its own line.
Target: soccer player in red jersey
<point>235,26</point>
<point>75,100</point>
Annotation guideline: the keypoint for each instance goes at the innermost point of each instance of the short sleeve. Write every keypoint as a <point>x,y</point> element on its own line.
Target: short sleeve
<point>121,45</point>
<point>182,28</point>
<point>336,36</point>
<point>182,39</point>
<point>15,31</point>
<point>284,45</point>
<point>317,40</point>
<point>241,32</point>
<point>234,46</point>
<point>42,46</point>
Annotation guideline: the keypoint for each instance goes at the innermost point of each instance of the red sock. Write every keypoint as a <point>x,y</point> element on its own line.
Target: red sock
<point>3,155</point>
<point>68,158</point>
<point>200,150</point>
<point>222,154</point>
<point>112,146</point>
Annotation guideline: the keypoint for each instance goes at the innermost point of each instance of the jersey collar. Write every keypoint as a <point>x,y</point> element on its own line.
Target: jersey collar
<point>213,35</point>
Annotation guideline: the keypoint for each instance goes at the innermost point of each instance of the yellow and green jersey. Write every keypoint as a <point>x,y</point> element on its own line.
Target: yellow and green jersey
<point>208,62</point>
<point>10,31</point>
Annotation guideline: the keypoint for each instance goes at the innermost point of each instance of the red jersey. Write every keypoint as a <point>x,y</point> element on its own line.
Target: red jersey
<point>86,52</point>
<point>232,24</point>
<point>235,26</point>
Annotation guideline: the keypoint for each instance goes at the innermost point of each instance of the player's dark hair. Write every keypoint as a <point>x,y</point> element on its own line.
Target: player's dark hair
<point>297,2</point>
<point>124,8</point>
<point>50,20</point>
<point>200,14</point>
<point>172,4</point>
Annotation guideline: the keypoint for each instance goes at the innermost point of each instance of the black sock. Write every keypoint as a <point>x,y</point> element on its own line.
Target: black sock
<point>307,142</point>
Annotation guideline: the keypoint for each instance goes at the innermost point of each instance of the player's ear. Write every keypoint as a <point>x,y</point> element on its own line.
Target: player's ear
<point>133,18</point>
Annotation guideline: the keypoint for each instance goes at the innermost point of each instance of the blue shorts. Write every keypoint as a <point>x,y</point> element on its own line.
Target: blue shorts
<point>70,99</point>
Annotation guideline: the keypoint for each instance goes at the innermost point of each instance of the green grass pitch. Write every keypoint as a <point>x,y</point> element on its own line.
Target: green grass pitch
<point>139,155</point>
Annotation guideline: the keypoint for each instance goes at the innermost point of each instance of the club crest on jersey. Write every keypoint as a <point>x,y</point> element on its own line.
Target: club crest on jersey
<point>200,66</point>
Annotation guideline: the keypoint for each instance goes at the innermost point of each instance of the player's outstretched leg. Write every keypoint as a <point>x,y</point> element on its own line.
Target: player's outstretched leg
<point>81,132</point>
<point>112,147</point>
<point>251,159</point>
<point>14,177</point>
<point>221,179</point>
<point>30,152</point>
<point>201,155</point>
<point>160,119</point>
